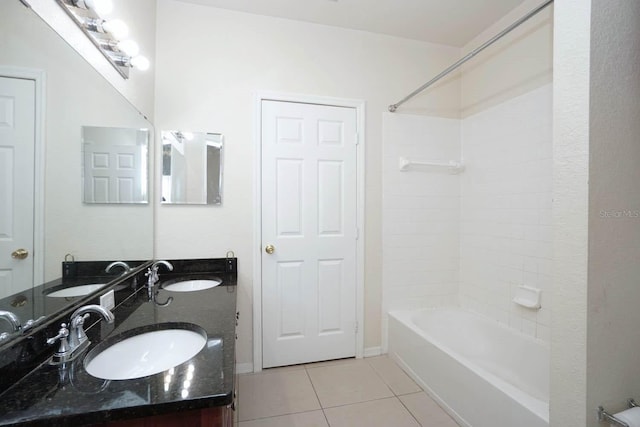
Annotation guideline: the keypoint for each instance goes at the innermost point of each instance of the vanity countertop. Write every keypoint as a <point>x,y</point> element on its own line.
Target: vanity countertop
<point>70,397</point>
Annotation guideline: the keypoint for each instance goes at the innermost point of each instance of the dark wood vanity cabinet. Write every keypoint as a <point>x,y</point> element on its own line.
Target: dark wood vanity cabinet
<point>219,416</point>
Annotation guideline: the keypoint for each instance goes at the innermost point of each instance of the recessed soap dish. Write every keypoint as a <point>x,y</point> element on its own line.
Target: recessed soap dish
<point>528,297</point>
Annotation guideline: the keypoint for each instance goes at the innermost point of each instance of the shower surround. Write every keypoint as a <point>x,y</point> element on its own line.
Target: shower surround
<point>470,239</point>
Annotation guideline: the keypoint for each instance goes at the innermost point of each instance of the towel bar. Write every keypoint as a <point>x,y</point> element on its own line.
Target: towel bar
<point>453,167</point>
<point>605,416</point>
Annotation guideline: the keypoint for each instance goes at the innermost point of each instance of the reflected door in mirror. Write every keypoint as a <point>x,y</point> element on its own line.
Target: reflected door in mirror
<point>17,148</point>
<point>115,165</point>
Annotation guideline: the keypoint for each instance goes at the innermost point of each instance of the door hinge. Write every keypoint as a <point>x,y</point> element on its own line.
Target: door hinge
<point>356,327</point>
<point>357,233</point>
<point>357,138</point>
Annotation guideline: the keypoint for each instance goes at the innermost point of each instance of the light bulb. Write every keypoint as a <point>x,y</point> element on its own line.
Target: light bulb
<point>101,7</point>
<point>129,47</point>
<point>140,62</point>
<point>116,27</point>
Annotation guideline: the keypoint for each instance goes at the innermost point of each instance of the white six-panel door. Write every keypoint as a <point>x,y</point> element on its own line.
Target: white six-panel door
<point>17,145</point>
<point>309,220</point>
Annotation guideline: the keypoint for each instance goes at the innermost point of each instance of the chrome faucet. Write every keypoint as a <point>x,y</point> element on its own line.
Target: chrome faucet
<point>122,264</point>
<point>74,341</point>
<point>13,320</point>
<point>153,277</point>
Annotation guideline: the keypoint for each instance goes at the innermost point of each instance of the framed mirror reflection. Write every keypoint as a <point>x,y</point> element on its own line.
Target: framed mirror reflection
<point>115,165</point>
<point>192,164</point>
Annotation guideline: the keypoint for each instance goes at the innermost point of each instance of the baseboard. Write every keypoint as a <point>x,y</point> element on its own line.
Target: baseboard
<point>372,351</point>
<point>244,368</point>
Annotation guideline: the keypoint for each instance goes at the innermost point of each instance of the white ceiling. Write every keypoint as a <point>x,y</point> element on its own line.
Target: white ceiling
<point>450,22</point>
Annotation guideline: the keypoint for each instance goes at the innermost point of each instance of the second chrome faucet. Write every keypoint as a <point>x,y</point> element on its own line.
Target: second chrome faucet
<point>153,278</point>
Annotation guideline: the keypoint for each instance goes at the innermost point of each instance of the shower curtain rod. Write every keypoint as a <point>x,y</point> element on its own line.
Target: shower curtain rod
<point>394,107</point>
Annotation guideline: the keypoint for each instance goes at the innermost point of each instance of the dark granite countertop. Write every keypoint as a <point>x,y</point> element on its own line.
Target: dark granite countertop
<point>34,302</point>
<point>53,396</point>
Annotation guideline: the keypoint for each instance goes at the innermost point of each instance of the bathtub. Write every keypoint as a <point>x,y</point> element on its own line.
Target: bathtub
<point>481,372</point>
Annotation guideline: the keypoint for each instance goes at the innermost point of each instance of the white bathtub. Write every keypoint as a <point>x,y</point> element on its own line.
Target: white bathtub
<point>483,373</point>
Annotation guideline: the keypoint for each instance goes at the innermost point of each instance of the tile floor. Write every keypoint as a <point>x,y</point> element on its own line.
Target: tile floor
<point>371,392</point>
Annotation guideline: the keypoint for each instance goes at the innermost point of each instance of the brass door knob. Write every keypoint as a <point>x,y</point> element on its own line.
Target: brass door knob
<point>20,254</point>
<point>269,249</point>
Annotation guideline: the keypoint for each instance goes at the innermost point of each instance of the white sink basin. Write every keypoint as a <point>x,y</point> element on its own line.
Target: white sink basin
<point>145,353</point>
<point>77,291</point>
<point>192,285</point>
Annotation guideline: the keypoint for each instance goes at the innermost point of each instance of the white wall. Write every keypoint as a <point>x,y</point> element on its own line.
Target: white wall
<point>506,222</point>
<point>516,64</point>
<point>571,90</point>
<point>596,209</point>
<point>236,54</point>
<point>613,341</point>
<point>421,213</point>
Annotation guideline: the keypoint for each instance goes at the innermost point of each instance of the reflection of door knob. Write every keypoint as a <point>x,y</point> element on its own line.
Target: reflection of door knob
<point>20,254</point>
<point>269,249</point>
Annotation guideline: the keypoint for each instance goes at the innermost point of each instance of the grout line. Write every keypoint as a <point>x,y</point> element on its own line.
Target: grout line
<point>409,411</point>
<point>381,379</point>
<point>324,414</point>
<point>281,415</point>
<point>363,401</point>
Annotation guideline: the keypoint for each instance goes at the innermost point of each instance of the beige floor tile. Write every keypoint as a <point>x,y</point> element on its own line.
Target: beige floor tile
<point>271,394</point>
<point>304,419</point>
<point>393,375</point>
<point>375,413</point>
<point>346,384</point>
<point>426,410</point>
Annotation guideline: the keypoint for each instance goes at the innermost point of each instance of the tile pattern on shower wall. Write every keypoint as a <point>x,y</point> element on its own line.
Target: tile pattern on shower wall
<point>421,213</point>
<point>506,230</point>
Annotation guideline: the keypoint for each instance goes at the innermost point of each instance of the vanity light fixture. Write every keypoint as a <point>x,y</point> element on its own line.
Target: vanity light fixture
<point>116,27</point>
<point>101,7</point>
<point>139,62</point>
<point>127,47</point>
<point>107,35</point>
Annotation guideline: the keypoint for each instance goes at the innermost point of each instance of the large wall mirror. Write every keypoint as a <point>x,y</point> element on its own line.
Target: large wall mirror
<point>72,95</point>
<point>191,167</point>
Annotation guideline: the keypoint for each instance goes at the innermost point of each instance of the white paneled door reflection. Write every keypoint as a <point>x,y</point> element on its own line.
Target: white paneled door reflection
<point>113,174</point>
<point>309,218</point>
<point>17,145</point>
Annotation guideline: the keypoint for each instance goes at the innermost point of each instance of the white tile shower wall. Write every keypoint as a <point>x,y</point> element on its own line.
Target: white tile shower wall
<point>505,236</point>
<point>421,213</point>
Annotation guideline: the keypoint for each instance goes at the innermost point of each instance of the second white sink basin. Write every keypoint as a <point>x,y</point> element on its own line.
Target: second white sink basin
<point>192,285</point>
<point>77,291</point>
<point>145,352</point>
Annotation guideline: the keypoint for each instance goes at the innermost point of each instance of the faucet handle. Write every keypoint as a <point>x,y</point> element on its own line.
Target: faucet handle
<point>63,333</point>
<point>78,321</point>
<point>62,355</point>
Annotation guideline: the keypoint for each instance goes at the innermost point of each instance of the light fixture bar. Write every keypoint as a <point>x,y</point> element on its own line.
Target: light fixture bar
<point>101,42</point>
